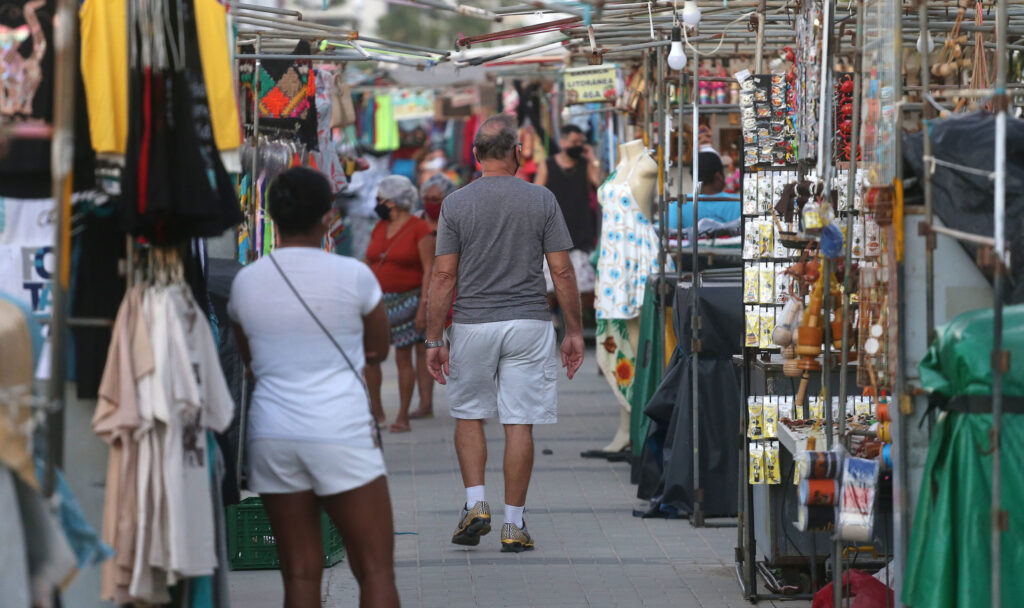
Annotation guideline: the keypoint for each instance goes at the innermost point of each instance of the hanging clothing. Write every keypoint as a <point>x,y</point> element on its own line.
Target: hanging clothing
<point>327,159</point>
<point>385,126</point>
<point>26,72</point>
<point>175,186</point>
<point>162,389</point>
<point>287,94</point>
<point>104,65</point>
<point>629,252</point>
<point>212,31</point>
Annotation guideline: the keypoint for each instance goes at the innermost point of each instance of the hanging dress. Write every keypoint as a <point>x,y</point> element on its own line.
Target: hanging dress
<point>628,254</point>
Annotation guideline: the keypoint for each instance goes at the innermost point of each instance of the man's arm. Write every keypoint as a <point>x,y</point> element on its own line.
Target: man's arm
<point>564,278</point>
<point>442,290</point>
<point>594,173</point>
<point>541,179</point>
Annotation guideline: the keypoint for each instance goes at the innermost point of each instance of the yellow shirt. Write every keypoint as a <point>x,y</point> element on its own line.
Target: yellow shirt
<point>105,72</point>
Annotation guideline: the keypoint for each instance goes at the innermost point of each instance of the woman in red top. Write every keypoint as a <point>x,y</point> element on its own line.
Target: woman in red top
<point>400,253</point>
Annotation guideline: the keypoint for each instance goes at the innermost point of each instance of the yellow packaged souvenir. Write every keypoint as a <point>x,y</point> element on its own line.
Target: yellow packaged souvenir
<point>772,469</point>
<point>756,466</point>
<point>755,409</point>
<point>751,288</point>
<point>770,415</point>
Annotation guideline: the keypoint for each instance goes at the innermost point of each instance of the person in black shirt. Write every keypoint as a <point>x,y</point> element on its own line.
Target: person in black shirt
<point>572,175</point>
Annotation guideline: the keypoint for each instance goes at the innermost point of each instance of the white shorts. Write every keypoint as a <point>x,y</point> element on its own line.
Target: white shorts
<point>586,276</point>
<point>508,368</point>
<point>285,466</point>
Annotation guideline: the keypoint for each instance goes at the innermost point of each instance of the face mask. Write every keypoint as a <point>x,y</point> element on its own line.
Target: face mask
<point>574,152</point>
<point>433,210</point>
<point>383,211</point>
<point>435,164</point>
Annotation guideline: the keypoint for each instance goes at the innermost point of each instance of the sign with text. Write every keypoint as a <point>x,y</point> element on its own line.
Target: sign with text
<point>595,84</point>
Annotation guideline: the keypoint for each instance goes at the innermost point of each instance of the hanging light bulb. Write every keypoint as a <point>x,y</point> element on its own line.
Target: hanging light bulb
<point>691,13</point>
<point>676,56</point>
<point>921,43</point>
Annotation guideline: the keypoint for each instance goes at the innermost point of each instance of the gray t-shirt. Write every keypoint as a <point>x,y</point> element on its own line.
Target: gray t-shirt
<point>501,227</point>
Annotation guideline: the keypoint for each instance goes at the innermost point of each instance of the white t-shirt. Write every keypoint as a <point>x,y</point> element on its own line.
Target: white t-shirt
<point>304,389</point>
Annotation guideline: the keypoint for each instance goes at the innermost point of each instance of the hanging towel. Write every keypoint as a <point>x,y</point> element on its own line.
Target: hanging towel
<point>385,126</point>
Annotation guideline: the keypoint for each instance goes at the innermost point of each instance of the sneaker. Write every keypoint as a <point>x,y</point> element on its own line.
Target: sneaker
<point>473,524</point>
<point>515,539</point>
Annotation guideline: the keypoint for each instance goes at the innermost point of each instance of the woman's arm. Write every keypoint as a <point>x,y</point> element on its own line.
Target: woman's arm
<point>426,249</point>
<point>243,347</point>
<point>376,335</point>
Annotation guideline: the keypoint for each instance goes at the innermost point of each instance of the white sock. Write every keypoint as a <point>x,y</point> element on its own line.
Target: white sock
<point>474,494</point>
<point>514,515</point>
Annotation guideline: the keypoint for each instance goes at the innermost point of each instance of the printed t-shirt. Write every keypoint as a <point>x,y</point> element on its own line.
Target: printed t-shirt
<point>199,400</point>
<point>305,390</point>
<point>401,270</point>
<point>501,227</point>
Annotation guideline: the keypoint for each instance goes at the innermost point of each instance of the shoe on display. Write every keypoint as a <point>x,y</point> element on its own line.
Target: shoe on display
<point>515,539</point>
<point>473,524</point>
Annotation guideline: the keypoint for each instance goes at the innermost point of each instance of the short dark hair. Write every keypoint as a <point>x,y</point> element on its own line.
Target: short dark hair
<point>708,164</point>
<point>569,128</point>
<point>299,198</point>
<point>496,137</point>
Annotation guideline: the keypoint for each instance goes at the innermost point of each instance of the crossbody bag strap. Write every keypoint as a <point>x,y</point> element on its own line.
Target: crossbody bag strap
<point>327,332</point>
<point>394,241</point>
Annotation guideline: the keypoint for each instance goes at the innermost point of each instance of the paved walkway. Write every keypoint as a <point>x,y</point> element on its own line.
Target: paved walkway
<point>590,550</point>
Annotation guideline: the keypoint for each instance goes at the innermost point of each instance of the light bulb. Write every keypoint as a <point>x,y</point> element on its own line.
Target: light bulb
<point>920,43</point>
<point>691,13</point>
<point>677,57</point>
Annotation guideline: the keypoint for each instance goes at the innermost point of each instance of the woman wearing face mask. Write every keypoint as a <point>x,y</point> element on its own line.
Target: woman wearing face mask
<point>401,253</point>
<point>432,193</point>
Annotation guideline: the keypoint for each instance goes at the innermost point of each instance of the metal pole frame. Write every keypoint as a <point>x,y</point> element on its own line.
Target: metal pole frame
<point>1000,359</point>
<point>62,149</point>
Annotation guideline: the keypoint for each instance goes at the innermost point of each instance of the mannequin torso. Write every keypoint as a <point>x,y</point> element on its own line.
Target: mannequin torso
<point>640,172</point>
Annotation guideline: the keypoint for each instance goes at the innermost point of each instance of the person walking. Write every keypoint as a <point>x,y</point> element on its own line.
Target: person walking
<point>306,321</point>
<point>400,254</point>
<point>432,193</point>
<point>572,176</point>
<point>500,357</point>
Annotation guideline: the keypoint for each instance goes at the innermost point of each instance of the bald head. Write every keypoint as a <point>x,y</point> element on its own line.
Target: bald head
<point>496,138</point>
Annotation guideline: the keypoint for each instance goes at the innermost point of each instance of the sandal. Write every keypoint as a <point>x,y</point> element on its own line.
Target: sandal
<point>421,414</point>
<point>399,428</point>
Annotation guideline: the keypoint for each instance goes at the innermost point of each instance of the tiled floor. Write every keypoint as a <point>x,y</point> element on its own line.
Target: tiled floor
<point>590,550</point>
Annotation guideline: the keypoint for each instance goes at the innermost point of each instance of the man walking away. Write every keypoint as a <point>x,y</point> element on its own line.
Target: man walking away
<point>500,355</point>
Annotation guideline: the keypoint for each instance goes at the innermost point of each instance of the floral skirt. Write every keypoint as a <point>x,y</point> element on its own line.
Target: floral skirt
<point>401,308</point>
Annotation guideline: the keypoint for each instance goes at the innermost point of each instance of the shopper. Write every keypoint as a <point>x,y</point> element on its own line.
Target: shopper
<point>572,175</point>
<point>500,356</point>
<point>432,193</point>
<point>400,254</point>
<point>311,438</point>
<point>724,209</point>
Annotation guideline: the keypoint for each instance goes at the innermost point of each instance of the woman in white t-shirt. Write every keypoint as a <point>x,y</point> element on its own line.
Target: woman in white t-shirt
<point>311,440</point>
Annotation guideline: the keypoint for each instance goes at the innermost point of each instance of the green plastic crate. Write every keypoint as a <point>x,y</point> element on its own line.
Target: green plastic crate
<point>251,544</point>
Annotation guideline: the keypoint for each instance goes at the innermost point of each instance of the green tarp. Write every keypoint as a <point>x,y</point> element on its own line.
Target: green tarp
<point>949,564</point>
<point>649,368</point>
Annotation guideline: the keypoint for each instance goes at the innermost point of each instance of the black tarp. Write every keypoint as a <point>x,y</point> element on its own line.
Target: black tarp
<point>965,200</point>
<point>666,470</point>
